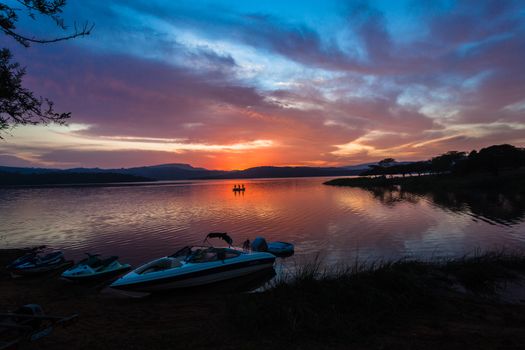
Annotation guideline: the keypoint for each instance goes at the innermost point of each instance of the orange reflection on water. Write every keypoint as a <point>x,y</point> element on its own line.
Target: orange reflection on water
<point>144,222</point>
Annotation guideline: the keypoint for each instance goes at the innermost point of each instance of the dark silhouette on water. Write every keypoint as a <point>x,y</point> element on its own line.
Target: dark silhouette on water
<point>490,206</point>
<point>239,188</point>
<point>489,184</point>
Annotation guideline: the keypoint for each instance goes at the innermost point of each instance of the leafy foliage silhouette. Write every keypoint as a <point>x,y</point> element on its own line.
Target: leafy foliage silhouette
<point>18,105</point>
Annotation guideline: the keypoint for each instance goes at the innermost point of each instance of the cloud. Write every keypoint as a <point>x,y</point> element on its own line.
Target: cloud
<point>10,160</point>
<point>193,77</point>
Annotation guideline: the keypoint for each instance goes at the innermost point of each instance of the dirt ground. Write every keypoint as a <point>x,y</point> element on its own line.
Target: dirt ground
<point>190,320</point>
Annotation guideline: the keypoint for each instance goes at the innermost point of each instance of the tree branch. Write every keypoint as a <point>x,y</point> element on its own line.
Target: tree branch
<point>24,40</point>
<point>44,8</point>
<point>18,106</point>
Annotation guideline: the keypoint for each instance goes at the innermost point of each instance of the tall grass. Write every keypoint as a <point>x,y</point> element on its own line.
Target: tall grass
<point>480,272</point>
<point>363,299</point>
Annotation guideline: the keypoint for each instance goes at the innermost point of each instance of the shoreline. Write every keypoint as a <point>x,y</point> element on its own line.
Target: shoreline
<point>509,181</point>
<point>154,182</point>
<point>471,302</point>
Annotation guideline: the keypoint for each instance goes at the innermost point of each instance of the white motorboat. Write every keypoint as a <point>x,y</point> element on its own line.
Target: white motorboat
<point>195,266</point>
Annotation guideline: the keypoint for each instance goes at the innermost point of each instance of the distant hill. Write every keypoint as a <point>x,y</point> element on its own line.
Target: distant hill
<point>162,167</point>
<point>360,167</point>
<point>19,170</point>
<point>367,166</point>
<point>186,172</point>
<point>156,172</point>
<point>271,171</point>
<point>488,159</point>
<point>171,172</point>
<point>64,178</point>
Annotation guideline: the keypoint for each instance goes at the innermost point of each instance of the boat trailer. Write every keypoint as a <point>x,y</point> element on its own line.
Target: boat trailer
<point>27,324</point>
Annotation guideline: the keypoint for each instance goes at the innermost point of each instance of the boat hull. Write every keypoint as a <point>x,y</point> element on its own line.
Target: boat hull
<point>197,278</point>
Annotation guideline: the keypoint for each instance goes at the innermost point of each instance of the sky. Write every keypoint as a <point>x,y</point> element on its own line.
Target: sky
<point>236,84</point>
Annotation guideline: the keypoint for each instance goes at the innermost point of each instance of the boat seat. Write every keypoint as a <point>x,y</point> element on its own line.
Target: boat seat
<point>209,256</point>
<point>164,264</point>
<point>92,262</point>
<point>108,261</point>
<point>204,256</point>
<point>176,264</point>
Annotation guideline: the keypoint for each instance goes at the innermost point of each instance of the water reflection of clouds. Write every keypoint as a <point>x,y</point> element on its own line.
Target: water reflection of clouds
<point>385,227</point>
<point>140,223</point>
<point>465,222</point>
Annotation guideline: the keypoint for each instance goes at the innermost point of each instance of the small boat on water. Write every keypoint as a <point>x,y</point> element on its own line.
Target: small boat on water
<point>278,248</point>
<point>36,262</point>
<point>94,268</point>
<point>238,188</point>
<point>195,266</point>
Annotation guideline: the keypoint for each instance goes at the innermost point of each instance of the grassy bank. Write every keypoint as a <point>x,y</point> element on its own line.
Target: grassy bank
<point>377,305</point>
<point>511,181</point>
<point>445,304</point>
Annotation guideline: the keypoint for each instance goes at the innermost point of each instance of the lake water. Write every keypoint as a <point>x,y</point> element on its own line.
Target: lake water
<point>143,222</point>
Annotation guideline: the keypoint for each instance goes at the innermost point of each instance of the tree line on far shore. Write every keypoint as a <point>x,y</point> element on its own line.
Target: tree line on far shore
<point>491,159</point>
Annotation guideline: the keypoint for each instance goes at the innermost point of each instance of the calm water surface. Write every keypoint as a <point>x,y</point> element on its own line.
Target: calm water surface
<point>143,222</point>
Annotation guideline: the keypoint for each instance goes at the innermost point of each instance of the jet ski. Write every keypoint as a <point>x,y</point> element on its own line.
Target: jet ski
<point>93,268</point>
<point>195,266</point>
<point>36,262</point>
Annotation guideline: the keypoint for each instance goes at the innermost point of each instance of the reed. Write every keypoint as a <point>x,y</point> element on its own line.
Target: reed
<point>360,300</point>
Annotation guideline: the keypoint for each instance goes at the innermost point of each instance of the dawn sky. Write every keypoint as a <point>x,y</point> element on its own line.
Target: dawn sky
<point>235,84</point>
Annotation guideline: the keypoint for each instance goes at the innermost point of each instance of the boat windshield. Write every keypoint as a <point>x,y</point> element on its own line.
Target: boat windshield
<point>159,265</point>
<point>183,252</point>
<point>212,254</point>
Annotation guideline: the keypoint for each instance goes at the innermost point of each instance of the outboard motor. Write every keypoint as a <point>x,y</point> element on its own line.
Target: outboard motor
<point>259,244</point>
